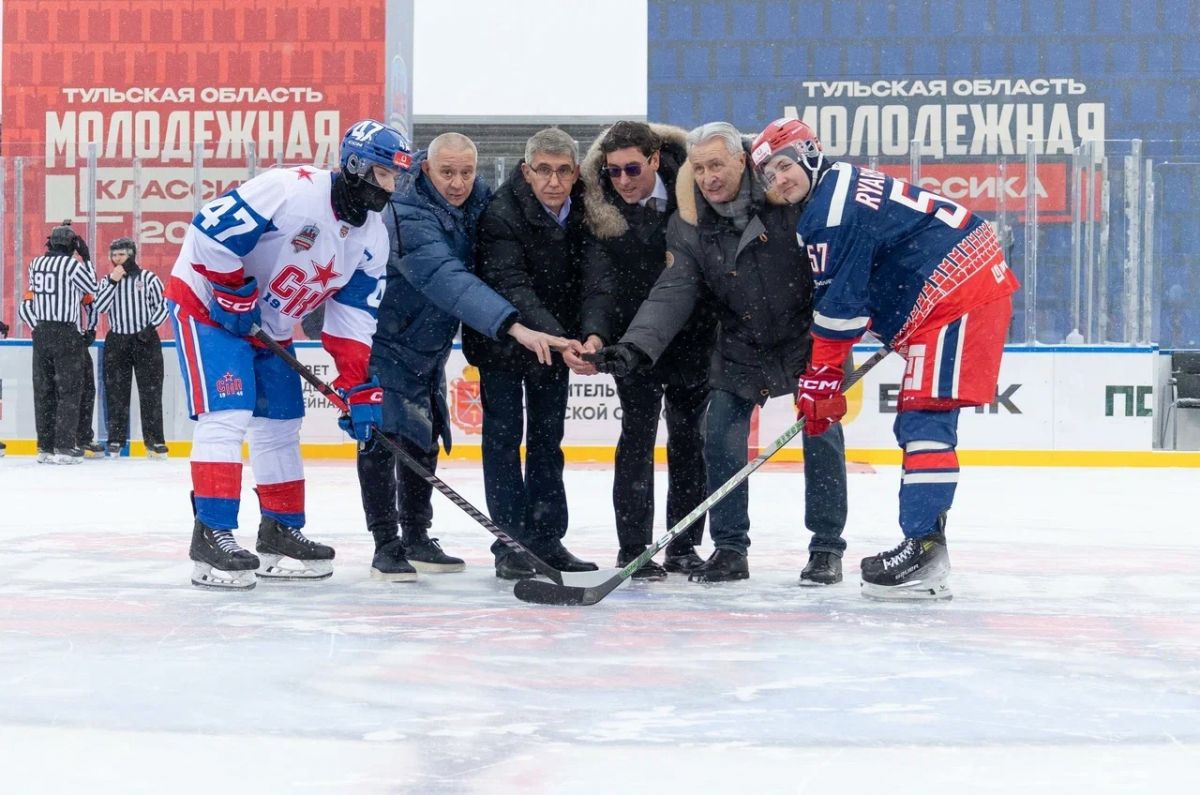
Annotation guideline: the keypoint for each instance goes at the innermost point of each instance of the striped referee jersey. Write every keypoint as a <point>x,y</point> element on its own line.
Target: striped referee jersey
<point>133,303</point>
<point>55,288</point>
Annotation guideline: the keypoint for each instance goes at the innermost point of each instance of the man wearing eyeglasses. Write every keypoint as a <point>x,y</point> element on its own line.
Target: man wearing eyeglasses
<point>730,240</point>
<point>432,287</point>
<point>629,176</point>
<point>529,252</point>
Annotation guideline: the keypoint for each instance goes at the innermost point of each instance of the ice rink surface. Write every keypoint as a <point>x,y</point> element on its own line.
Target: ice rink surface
<point>1068,661</point>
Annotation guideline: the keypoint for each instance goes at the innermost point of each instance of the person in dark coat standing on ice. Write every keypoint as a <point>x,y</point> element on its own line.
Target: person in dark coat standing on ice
<point>729,241</point>
<point>629,175</point>
<point>529,252</point>
<point>432,287</point>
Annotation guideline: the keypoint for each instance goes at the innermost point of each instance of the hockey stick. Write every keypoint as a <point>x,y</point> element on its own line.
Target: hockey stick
<point>545,593</point>
<point>539,565</point>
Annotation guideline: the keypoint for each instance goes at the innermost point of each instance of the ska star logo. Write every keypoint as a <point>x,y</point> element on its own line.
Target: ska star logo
<point>304,173</point>
<point>324,273</point>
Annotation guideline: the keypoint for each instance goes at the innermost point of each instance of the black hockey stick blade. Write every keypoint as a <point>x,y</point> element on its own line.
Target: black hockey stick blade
<point>546,593</point>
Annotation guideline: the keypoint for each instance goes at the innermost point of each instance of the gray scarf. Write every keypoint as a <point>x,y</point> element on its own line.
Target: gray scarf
<point>737,210</point>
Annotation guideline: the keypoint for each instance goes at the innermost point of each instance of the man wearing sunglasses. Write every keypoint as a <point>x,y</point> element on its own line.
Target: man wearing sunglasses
<point>629,177</point>
<point>728,239</point>
<point>529,251</point>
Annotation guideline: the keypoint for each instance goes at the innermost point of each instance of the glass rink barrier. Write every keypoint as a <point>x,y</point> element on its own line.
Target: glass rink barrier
<point>1104,237</point>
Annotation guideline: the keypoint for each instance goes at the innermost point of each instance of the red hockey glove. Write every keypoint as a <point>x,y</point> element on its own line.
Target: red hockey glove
<point>819,399</point>
<point>366,410</point>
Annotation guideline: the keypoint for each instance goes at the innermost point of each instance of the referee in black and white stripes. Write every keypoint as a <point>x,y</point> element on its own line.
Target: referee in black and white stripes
<point>57,285</point>
<point>133,299</point>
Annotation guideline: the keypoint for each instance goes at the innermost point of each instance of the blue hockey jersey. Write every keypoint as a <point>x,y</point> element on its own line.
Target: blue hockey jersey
<point>894,257</point>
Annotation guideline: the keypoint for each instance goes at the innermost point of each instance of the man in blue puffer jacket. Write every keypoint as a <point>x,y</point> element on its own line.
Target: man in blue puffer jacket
<point>431,288</point>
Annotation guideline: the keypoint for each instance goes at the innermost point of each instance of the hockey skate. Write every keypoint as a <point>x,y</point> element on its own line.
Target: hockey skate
<point>919,568</point>
<point>287,555</point>
<point>93,449</point>
<point>219,561</point>
<point>66,456</point>
<point>156,451</point>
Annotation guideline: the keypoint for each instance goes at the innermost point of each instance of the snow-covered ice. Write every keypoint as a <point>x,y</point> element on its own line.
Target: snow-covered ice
<point>1068,661</point>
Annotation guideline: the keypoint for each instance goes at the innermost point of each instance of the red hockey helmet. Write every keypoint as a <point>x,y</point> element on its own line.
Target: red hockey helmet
<point>790,137</point>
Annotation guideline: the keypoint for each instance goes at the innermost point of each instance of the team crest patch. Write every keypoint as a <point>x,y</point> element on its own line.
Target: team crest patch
<point>345,230</point>
<point>670,259</point>
<point>229,385</point>
<point>305,238</point>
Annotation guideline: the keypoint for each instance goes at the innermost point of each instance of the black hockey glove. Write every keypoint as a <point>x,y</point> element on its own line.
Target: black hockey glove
<point>3,329</point>
<point>148,335</point>
<point>618,360</point>
<point>89,337</point>
<point>82,250</point>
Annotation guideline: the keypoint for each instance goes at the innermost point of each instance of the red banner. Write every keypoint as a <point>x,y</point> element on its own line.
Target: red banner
<point>982,188</point>
<point>161,83</point>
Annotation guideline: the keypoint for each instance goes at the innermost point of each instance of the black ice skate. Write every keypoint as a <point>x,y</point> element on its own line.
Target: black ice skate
<point>390,565</point>
<point>93,449</point>
<point>156,451</point>
<point>66,456</point>
<point>824,568</point>
<point>305,560</point>
<point>219,561</point>
<point>917,569</point>
<point>425,554</point>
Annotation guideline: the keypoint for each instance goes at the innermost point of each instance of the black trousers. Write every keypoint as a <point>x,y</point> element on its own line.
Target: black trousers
<point>529,503</point>
<point>642,397</point>
<point>124,356</point>
<point>87,399</point>
<point>391,492</point>
<point>58,377</point>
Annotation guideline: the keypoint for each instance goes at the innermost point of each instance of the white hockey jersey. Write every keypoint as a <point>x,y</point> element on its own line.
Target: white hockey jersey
<point>280,229</point>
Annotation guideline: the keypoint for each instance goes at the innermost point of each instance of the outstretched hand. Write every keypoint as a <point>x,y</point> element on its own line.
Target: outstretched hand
<point>575,356</point>
<point>618,360</point>
<point>539,342</point>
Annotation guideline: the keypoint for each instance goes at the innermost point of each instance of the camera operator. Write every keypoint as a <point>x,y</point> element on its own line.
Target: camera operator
<point>56,286</point>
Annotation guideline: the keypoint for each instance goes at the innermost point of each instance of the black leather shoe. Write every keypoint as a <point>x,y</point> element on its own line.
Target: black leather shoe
<point>723,565</point>
<point>648,571</point>
<point>558,556</point>
<point>824,568</point>
<point>683,561</point>
<point>513,566</point>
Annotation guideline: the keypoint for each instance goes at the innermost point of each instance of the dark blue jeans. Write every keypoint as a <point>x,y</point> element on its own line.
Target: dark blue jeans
<point>529,506</point>
<point>726,430</point>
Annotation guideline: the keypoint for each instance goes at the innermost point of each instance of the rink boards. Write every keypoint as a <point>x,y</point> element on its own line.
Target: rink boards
<point>1055,405</point>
